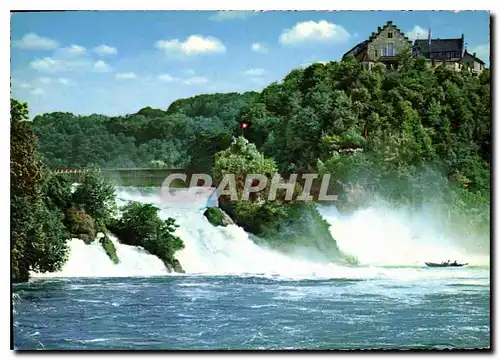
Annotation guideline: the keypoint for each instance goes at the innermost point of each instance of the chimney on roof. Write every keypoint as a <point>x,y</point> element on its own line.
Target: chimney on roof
<point>474,55</point>
<point>379,28</point>
<point>389,22</point>
<point>462,36</point>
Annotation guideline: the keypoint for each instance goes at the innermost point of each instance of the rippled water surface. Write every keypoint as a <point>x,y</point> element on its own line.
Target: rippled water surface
<point>413,308</point>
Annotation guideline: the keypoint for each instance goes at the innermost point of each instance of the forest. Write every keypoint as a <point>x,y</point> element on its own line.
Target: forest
<point>403,123</point>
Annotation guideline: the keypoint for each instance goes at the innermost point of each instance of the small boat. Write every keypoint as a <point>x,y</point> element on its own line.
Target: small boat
<point>444,264</point>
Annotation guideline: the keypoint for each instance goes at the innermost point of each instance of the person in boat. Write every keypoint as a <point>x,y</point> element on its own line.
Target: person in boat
<point>454,263</point>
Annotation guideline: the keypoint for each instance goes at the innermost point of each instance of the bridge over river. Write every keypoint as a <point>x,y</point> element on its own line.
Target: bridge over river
<point>133,176</point>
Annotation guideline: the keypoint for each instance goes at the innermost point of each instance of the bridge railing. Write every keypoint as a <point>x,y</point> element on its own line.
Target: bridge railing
<point>131,176</point>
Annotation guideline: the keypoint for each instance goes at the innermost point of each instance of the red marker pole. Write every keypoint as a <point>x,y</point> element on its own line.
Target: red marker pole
<point>244,125</point>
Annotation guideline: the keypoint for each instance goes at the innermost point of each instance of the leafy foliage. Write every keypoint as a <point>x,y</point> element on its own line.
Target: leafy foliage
<point>110,249</point>
<point>140,225</point>
<point>80,225</point>
<point>415,131</point>
<point>38,236</point>
<point>215,216</point>
<point>96,196</point>
<point>58,191</point>
<point>188,134</point>
<point>280,224</point>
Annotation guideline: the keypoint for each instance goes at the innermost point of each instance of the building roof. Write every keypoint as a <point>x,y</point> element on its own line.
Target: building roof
<point>355,49</point>
<point>440,45</point>
<point>468,56</point>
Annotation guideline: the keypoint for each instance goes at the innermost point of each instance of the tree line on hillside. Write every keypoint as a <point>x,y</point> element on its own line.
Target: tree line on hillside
<point>186,135</point>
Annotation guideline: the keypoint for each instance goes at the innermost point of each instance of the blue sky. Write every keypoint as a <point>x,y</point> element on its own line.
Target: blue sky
<point>118,62</point>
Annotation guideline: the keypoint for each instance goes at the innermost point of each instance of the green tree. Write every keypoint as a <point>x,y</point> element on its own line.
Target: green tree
<point>38,236</point>
<point>96,196</point>
<point>140,225</point>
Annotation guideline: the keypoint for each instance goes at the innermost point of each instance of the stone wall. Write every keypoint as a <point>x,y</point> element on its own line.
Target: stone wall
<point>381,41</point>
<point>473,65</point>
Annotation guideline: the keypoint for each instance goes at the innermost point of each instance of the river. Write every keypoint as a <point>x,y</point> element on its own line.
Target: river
<point>237,295</point>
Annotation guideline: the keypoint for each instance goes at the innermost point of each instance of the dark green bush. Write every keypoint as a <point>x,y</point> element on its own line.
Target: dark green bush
<point>80,225</point>
<point>96,196</point>
<point>140,225</point>
<point>57,190</point>
<point>110,249</point>
<point>217,217</point>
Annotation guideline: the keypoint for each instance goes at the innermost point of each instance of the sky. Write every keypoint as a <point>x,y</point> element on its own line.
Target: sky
<point>117,62</point>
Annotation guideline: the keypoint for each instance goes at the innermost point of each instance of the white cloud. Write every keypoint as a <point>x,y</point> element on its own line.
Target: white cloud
<point>194,45</point>
<point>312,31</point>
<point>166,78</point>
<point>418,32</point>
<point>189,72</point>
<point>104,50</point>
<point>53,65</point>
<point>75,50</point>
<point>25,86</point>
<point>61,80</point>
<point>232,15</point>
<point>482,51</point>
<point>46,64</point>
<point>101,66</point>
<point>32,41</point>
<point>45,80</point>
<point>126,76</point>
<point>37,91</point>
<point>65,81</point>
<point>260,48</point>
<point>195,80</point>
<point>255,72</point>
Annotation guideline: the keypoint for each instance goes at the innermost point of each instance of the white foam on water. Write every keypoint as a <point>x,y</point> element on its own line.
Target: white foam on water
<point>92,261</point>
<point>378,238</point>
<point>388,237</point>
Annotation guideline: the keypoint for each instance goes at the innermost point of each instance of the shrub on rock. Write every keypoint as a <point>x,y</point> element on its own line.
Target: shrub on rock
<point>80,225</point>
<point>140,225</point>
<point>109,248</point>
<point>217,217</point>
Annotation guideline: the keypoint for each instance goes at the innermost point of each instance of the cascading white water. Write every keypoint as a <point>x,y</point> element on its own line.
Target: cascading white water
<point>91,261</point>
<point>376,237</point>
<point>220,250</point>
<point>382,236</point>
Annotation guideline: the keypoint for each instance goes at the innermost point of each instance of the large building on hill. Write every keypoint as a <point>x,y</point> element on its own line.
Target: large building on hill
<point>384,45</point>
<point>451,53</point>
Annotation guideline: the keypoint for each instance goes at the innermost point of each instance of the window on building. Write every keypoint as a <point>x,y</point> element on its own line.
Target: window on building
<point>389,35</point>
<point>390,49</point>
<point>376,53</point>
<point>384,51</point>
